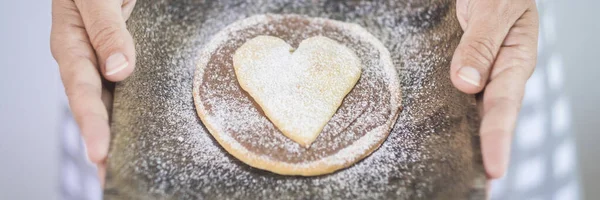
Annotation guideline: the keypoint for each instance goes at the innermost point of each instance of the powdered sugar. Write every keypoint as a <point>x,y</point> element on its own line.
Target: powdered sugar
<point>300,89</point>
<point>248,134</point>
<point>431,153</point>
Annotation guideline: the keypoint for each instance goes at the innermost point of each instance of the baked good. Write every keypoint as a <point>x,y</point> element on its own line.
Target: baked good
<point>160,148</point>
<point>238,123</point>
<point>300,89</point>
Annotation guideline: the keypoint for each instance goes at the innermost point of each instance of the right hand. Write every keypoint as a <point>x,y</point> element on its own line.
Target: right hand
<point>89,38</point>
<point>496,56</point>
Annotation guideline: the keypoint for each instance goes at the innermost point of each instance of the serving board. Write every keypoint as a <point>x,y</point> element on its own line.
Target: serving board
<point>161,150</point>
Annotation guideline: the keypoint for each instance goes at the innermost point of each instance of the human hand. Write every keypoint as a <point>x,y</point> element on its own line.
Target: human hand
<point>89,38</point>
<point>497,54</point>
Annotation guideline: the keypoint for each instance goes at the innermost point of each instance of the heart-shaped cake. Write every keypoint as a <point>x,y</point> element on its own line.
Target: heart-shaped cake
<point>298,90</point>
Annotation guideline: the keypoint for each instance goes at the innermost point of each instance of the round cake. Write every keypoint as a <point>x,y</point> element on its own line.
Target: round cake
<point>359,126</point>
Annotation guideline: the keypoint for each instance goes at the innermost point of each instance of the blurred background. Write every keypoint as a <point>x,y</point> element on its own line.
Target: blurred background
<point>554,150</point>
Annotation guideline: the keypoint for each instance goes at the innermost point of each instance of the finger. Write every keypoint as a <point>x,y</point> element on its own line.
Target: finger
<point>107,100</point>
<point>487,24</point>
<point>461,12</point>
<point>503,95</point>
<point>501,106</point>
<point>520,45</point>
<point>101,173</point>
<point>105,25</point>
<point>127,8</point>
<point>77,64</point>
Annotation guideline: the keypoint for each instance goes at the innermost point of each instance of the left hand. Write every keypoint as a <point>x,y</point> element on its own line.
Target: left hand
<point>90,42</point>
<point>497,54</point>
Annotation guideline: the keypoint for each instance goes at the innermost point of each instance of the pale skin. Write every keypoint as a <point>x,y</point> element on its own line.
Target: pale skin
<point>495,57</point>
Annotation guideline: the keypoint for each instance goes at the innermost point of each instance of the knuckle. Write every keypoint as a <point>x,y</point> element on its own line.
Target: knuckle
<point>105,35</point>
<point>83,114</point>
<point>78,90</point>
<point>80,100</point>
<point>78,86</point>
<point>504,102</point>
<point>497,131</point>
<point>82,97</point>
<point>73,56</point>
<point>518,69</point>
<point>482,50</point>
<point>525,70</point>
<point>81,52</point>
<point>522,65</point>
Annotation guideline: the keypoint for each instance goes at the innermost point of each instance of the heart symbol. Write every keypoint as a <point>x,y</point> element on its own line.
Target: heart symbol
<point>298,90</point>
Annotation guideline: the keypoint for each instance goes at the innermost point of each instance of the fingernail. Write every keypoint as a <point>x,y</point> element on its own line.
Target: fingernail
<point>470,75</point>
<point>115,63</point>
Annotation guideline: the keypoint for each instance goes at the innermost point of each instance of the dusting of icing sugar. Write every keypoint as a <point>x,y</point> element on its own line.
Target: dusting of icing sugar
<point>233,120</point>
<point>300,89</point>
<point>428,155</point>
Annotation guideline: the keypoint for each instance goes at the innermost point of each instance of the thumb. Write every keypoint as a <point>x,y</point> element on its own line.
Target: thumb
<point>105,25</point>
<point>487,24</point>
